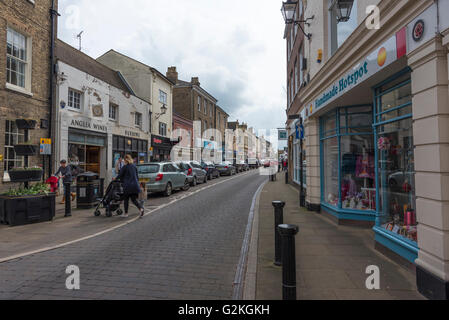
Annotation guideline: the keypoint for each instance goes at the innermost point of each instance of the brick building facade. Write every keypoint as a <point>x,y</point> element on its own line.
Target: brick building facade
<point>25,50</point>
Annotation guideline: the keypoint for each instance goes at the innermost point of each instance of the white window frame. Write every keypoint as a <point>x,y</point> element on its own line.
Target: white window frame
<point>8,149</point>
<point>163,97</point>
<point>138,118</point>
<point>162,129</point>
<point>26,60</point>
<point>113,106</point>
<point>70,102</point>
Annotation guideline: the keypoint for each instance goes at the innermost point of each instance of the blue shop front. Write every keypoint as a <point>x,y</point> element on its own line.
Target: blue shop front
<point>366,148</point>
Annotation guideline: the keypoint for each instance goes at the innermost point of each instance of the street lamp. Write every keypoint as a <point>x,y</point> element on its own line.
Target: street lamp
<point>163,111</point>
<point>343,9</point>
<point>288,11</point>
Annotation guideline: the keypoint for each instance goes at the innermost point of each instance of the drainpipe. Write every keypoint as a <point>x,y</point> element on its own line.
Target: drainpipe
<point>53,18</point>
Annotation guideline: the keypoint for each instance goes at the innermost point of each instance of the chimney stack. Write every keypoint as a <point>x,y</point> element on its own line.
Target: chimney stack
<point>195,81</point>
<point>172,74</point>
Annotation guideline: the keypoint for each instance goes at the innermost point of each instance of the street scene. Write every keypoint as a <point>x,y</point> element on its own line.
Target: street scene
<point>296,150</point>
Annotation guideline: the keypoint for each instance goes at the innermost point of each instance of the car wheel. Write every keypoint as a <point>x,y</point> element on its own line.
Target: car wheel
<point>186,186</point>
<point>205,179</point>
<point>168,190</point>
<point>195,182</point>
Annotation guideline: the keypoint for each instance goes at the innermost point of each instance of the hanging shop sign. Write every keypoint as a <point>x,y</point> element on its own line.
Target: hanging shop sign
<point>283,135</point>
<point>383,56</point>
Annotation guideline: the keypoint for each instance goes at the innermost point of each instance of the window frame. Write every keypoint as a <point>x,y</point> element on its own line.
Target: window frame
<point>163,97</point>
<point>26,62</point>
<point>162,129</point>
<point>138,116</point>
<point>69,101</point>
<point>8,148</point>
<point>113,106</point>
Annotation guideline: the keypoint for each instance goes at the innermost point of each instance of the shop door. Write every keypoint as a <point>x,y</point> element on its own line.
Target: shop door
<point>93,159</point>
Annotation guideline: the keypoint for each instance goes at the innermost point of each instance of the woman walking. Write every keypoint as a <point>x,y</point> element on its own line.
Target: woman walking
<point>129,177</point>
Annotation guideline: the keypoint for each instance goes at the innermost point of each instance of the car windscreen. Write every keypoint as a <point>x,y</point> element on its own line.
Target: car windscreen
<point>146,169</point>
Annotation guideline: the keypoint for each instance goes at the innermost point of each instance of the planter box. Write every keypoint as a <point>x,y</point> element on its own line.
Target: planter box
<point>26,124</point>
<point>16,211</point>
<point>25,175</point>
<point>26,150</point>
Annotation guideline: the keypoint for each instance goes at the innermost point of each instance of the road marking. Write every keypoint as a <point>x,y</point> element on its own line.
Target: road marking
<point>22,255</point>
<point>241,267</point>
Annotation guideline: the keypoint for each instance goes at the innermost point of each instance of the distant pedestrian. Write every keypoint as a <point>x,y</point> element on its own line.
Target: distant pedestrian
<point>66,174</point>
<point>119,165</point>
<point>285,165</point>
<point>129,178</point>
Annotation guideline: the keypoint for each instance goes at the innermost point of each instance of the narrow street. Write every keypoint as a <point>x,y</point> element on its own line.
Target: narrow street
<point>187,250</point>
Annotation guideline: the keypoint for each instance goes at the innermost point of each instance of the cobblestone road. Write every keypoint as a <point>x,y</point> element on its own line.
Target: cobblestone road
<point>188,250</point>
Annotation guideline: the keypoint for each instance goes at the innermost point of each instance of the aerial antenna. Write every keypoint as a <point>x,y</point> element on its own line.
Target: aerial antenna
<point>79,38</point>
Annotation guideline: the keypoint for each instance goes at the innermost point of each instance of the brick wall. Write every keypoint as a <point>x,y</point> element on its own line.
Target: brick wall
<point>32,20</point>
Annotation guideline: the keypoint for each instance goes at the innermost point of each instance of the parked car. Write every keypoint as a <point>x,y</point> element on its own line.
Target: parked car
<point>212,172</point>
<point>188,170</point>
<point>226,169</point>
<point>241,166</point>
<point>199,175</point>
<point>253,163</point>
<point>163,177</point>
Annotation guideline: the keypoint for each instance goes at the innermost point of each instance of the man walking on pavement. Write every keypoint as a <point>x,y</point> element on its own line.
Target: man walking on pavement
<point>67,178</point>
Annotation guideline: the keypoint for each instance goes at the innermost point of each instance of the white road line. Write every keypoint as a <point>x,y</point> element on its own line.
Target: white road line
<point>21,255</point>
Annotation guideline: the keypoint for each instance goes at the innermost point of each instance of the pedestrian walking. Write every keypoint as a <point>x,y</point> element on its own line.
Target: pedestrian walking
<point>66,174</point>
<point>129,178</point>
<point>285,164</point>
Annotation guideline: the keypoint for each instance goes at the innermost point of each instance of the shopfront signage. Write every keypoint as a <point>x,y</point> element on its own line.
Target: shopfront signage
<point>383,56</point>
<point>85,124</point>
<point>418,30</point>
<point>283,135</point>
<point>132,134</point>
<point>157,141</point>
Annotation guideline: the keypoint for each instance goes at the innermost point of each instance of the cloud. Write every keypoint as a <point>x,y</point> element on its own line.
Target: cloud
<point>235,47</point>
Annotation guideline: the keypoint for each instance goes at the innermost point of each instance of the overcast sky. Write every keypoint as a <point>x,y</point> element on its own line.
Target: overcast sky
<point>235,47</point>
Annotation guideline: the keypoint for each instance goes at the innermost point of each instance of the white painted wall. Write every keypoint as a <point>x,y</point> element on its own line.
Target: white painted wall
<point>96,92</point>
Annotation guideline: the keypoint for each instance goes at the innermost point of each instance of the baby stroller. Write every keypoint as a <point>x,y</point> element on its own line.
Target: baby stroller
<point>111,200</point>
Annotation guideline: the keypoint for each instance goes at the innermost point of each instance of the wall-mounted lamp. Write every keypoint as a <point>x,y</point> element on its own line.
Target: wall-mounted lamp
<point>288,12</point>
<point>343,9</point>
<point>163,111</point>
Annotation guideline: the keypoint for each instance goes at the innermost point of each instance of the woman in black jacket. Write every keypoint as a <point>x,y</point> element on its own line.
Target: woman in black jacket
<point>129,178</point>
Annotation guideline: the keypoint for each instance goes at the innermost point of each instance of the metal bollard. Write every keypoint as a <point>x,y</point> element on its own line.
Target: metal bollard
<point>286,177</point>
<point>288,233</point>
<point>68,200</point>
<point>278,220</point>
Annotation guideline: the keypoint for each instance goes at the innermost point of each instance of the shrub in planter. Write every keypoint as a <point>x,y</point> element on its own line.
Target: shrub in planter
<point>26,149</point>
<point>25,206</point>
<point>26,124</point>
<point>25,174</point>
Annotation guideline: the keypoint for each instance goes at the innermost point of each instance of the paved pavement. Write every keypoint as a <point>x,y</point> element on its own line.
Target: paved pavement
<point>331,259</point>
<point>186,250</point>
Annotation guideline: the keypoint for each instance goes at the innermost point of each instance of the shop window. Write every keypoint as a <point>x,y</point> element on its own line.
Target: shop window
<point>12,136</point>
<point>75,99</point>
<point>396,171</point>
<point>348,159</point>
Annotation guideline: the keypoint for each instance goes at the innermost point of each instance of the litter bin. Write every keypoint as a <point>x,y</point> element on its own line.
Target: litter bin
<point>88,190</point>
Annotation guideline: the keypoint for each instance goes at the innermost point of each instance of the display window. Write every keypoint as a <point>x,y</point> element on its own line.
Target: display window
<point>348,159</point>
<point>395,153</point>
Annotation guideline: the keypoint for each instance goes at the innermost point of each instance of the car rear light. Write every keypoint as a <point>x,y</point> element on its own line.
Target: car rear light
<point>189,172</point>
<point>226,167</point>
<point>159,177</point>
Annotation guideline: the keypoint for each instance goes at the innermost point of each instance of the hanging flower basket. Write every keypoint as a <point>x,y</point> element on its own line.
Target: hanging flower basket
<point>26,150</point>
<point>26,175</point>
<point>26,124</point>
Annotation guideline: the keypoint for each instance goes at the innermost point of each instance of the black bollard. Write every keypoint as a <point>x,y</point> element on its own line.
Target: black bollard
<point>288,233</point>
<point>68,200</point>
<point>278,220</point>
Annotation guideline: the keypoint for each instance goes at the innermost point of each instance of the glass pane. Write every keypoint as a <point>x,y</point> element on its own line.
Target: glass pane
<point>395,98</point>
<point>330,171</point>
<point>396,113</point>
<point>397,179</point>
<point>358,189</point>
<point>329,124</point>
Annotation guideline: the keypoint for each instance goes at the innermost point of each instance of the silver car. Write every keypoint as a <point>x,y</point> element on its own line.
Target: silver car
<point>163,177</point>
<point>199,174</point>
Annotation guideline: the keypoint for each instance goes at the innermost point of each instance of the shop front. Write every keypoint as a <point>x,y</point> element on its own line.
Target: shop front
<point>127,141</point>
<point>366,148</point>
<point>160,148</point>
